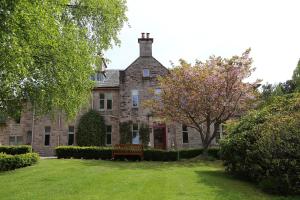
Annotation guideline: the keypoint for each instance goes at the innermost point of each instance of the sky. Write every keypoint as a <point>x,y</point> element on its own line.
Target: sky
<point>196,29</point>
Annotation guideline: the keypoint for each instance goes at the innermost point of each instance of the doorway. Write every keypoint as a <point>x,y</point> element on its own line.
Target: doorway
<point>159,132</point>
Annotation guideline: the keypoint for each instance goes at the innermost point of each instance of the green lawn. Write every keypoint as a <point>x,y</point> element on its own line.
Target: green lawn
<point>86,180</point>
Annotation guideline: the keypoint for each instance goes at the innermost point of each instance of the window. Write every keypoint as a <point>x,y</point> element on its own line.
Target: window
<point>135,98</point>
<point>29,137</point>
<point>102,101</point>
<point>135,134</point>
<point>15,140</point>
<point>185,134</point>
<point>47,135</point>
<point>108,135</point>
<point>71,135</point>
<point>108,101</point>
<point>100,76</point>
<point>146,73</point>
<point>157,91</point>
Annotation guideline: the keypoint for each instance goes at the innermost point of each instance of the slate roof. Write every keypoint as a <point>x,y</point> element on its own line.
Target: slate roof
<point>111,79</point>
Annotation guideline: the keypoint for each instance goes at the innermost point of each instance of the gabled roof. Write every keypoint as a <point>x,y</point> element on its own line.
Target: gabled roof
<point>111,78</point>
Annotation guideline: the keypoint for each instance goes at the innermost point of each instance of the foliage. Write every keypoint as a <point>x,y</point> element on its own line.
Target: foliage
<point>149,154</point>
<point>126,132</point>
<point>91,129</point>
<point>296,76</point>
<point>205,94</point>
<point>144,134</point>
<point>14,150</point>
<point>264,146</point>
<point>49,50</point>
<point>11,162</point>
<point>83,152</point>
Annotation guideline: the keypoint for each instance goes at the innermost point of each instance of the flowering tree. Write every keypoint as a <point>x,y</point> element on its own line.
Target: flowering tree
<point>205,95</point>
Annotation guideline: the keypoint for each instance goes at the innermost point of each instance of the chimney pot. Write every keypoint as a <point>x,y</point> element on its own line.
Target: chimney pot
<point>148,35</point>
<point>143,35</point>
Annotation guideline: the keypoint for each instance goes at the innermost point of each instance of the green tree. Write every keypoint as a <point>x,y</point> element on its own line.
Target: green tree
<point>91,130</point>
<point>296,76</point>
<point>49,50</point>
<point>144,134</point>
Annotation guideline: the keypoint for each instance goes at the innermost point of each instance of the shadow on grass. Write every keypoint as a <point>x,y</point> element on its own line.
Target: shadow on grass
<point>228,187</point>
<point>150,165</point>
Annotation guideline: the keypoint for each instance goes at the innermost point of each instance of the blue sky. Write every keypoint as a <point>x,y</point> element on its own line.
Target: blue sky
<point>196,29</point>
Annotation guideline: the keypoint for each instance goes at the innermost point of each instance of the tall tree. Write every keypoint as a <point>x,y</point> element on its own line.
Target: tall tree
<point>296,76</point>
<point>205,95</point>
<point>49,50</point>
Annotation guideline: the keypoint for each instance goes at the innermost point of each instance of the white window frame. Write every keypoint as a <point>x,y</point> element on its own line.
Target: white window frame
<point>146,73</point>
<point>107,99</point>
<point>183,132</point>
<point>135,93</point>
<point>101,99</point>
<point>137,132</point>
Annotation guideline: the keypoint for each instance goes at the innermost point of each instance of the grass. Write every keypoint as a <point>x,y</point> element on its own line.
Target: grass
<point>91,180</point>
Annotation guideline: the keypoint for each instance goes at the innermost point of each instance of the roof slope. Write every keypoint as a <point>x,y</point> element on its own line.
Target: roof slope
<point>111,79</point>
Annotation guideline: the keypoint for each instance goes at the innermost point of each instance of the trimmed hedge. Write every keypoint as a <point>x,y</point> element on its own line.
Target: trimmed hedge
<point>11,162</point>
<point>15,150</point>
<point>84,152</point>
<point>149,154</point>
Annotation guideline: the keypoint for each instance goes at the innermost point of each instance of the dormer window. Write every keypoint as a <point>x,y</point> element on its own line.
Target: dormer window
<point>100,76</point>
<point>146,73</point>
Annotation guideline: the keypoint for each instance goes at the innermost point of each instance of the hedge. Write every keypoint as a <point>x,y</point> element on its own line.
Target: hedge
<point>15,150</point>
<point>84,152</point>
<point>11,162</point>
<point>149,154</point>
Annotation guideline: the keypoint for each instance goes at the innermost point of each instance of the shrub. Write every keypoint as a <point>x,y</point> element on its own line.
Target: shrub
<point>84,152</point>
<point>11,162</point>
<point>160,155</point>
<point>144,134</point>
<point>14,150</point>
<point>91,130</point>
<point>264,146</point>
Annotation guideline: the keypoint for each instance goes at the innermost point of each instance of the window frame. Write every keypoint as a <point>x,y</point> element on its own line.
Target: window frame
<point>47,134</point>
<point>109,99</point>
<point>108,133</point>
<point>184,130</point>
<point>15,140</point>
<point>137,132</point>
<point>71,133</point>
<point>101,100</point>
<point>146,75</point>
<point>135,93</point>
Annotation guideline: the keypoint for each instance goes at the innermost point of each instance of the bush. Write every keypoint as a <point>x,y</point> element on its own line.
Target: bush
<point>14,150</point>
<point>91,129</point>
<point>84,152</point>
<point>11,162</point>
<point>264,146</point>
<point>126,132</point>
<point>149,154</point>
<point>160,155</point>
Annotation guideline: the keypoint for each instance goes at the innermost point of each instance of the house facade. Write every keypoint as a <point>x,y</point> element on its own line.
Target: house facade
<point>118,96</point>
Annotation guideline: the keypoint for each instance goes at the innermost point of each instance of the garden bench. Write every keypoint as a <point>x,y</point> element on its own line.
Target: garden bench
<point>128,150</point>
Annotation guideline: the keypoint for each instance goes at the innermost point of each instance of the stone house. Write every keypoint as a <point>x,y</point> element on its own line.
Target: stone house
<point>118,95</point>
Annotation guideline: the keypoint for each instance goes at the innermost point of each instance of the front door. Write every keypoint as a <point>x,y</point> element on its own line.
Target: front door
<point>159,132</point>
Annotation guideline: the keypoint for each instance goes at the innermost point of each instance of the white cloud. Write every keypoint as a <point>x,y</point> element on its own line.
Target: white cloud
<point>195,29</point>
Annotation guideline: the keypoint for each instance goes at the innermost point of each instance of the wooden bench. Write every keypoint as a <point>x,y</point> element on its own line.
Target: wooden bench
<point>128,150</point>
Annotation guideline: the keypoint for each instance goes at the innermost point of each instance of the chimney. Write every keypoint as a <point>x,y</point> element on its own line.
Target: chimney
<point>145,45</point>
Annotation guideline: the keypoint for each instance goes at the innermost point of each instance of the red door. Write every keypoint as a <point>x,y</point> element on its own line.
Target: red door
<point>159,131</point>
